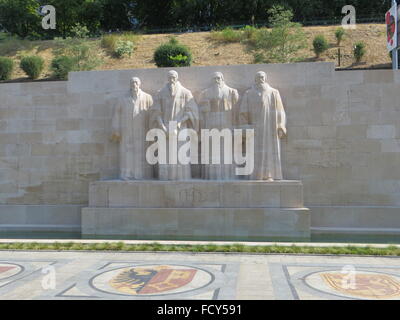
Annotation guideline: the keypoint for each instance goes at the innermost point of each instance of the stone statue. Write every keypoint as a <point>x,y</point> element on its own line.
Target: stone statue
<point>130,125</point>
<point>174,103</point>
<point>263,110</point>
<point>218,107</point>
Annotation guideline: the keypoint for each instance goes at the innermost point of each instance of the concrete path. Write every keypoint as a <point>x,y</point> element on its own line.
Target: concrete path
<point>119,275</point>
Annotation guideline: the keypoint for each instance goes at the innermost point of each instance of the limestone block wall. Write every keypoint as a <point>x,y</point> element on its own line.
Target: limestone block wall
<point>343,133</point>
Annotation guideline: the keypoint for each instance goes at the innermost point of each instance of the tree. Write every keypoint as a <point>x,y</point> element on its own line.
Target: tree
<point>283,41</point>
<point>359,51</point>
<point>153,15</point>
<point>20,17</point>
<point>91,14</point>
<point>118,14</point>
<point>339,34</point>
<point>69,13</point>
<point>279,15</point>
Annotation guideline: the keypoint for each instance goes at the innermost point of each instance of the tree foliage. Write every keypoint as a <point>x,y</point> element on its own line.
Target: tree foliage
<point>339,34</point>
<point>69,13</point>
<point>21,17</point>
<point>117,14</point>
<point>283,41</point>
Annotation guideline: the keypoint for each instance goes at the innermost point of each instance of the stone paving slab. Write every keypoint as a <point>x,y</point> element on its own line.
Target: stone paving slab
<point>50,275</point>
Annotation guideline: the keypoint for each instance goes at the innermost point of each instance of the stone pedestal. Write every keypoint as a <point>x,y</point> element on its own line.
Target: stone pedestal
<point>197,210</point>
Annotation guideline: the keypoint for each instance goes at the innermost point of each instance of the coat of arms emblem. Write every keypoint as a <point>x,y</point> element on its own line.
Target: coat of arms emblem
<point>367,286</point>
<point>152,280</point>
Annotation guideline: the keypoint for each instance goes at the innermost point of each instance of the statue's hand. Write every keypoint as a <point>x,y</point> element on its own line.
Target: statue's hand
<point>281,133</point>
<point>116,137</point>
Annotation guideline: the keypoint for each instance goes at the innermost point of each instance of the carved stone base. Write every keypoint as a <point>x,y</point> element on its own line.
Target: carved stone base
<point>197,210</point>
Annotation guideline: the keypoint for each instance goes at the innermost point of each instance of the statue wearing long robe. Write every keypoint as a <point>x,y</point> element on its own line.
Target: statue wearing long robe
<point>218,103</point>
<point>263,110</point>
<point>131,121</point>
<point>175,103</point>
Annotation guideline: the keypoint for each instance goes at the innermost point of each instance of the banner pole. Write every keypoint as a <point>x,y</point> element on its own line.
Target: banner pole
<point>395,52</point>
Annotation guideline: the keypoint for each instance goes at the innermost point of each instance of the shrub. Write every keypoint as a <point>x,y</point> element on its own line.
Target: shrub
<point>320,45</point>
<point>249,32</point>
<point>6,68</point>
<point>172,54</point>
<point>226,35</point>
<point>124,48</point>
<point>83,54</point>
<point>32,66</point>
<point>110,41</point>
<point>259,57</point>
<point>61,65</point>
<point>79,31</point>
<point>339,34</point>
<point>359,51</point>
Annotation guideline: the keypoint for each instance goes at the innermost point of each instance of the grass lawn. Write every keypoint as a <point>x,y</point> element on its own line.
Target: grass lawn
<point>233,248</point>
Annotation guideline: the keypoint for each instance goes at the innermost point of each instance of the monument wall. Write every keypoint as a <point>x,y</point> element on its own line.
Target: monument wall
<point>343,142</point>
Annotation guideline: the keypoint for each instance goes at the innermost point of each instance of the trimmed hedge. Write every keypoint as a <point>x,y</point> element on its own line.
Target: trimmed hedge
<point>172,54</point>
<point>6,68</point>
<point>61,65</point>
<point>320,45</point>
<point>32,66</point>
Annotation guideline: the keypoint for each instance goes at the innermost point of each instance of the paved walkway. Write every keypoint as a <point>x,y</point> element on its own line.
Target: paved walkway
<point>119,275</point>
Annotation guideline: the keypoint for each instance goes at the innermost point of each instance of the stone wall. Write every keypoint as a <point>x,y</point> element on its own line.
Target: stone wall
<point>343,134</point>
